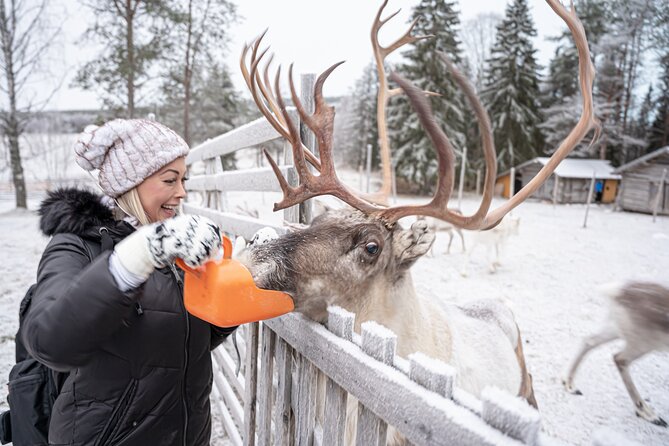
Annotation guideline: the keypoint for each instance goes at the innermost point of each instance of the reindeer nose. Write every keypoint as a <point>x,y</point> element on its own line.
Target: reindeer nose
<point>420,225</point>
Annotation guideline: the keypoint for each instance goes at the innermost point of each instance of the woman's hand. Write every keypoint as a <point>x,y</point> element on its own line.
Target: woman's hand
<point>193,238</point>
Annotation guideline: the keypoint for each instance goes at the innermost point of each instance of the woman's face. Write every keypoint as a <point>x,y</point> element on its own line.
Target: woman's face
<point>162,192</point>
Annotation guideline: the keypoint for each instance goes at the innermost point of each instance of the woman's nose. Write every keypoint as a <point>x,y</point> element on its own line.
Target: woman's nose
<point>181,192</point>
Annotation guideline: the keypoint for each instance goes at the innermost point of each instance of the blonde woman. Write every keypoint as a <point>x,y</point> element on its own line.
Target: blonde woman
<point>107,310</point>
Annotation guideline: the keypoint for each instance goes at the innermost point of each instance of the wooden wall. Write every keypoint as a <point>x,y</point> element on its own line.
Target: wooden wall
<point>640,186</point>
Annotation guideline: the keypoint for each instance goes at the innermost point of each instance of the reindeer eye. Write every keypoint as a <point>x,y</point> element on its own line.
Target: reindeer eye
<point>372,248</point>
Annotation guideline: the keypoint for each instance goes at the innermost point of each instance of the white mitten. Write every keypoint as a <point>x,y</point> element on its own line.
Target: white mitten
<point>192,238</point>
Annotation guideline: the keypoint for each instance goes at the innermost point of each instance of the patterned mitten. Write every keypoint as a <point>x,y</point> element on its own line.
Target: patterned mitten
<point>192,238</point>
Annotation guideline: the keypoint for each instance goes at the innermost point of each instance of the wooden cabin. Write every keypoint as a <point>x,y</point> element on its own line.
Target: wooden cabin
<point>573,177</point>
<point>645,183</point>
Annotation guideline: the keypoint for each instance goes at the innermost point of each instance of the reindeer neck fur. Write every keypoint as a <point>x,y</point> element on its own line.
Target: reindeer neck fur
<point>396,306</point>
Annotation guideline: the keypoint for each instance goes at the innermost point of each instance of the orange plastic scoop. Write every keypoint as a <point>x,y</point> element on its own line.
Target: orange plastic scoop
<point>222,292</point>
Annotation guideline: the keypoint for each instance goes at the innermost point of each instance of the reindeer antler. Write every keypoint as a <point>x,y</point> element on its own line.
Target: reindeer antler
<point>384,94</point>
<point>321,123</point>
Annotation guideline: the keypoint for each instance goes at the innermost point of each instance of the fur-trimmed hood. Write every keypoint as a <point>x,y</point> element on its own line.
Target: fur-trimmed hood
<point>77,211</point>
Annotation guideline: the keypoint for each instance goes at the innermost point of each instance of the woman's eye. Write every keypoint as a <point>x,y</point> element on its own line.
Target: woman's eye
<point>170,181</point>
<point>372,248</point>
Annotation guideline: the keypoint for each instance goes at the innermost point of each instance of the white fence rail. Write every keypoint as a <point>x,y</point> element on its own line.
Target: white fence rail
<point>297,376</point>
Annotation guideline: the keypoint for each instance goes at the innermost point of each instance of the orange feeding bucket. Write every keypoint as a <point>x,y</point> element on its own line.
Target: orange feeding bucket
<point>222,292</point>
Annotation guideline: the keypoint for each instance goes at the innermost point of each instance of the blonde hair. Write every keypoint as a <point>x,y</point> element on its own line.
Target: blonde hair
<point>130,204</point>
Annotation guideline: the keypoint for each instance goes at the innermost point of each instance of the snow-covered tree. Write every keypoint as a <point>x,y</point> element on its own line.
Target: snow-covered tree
<point>561,97</point>
<point>215,105</point>
<point>511,92</point>
<point>416,161</point>
<point>357,126</point>
<point>620,54</point>
<point>659,130</point>
<point>478,37</point>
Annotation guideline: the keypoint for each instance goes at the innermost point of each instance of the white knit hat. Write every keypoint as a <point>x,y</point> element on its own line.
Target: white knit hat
<point>127,151</point>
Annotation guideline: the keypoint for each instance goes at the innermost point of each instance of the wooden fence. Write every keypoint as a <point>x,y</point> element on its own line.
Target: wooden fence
<point>276,398</point>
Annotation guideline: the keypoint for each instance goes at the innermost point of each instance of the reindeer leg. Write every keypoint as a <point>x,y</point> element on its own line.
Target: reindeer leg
<point>465,266</point>
<point>495,263</point>
<point>606,335</point>
<point>462,238</point>
<point>450,240</point>
<point>623,359</point>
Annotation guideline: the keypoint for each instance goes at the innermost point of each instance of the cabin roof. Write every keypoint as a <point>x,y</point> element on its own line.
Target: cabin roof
<point>576,168</point>
<point>643,159</point>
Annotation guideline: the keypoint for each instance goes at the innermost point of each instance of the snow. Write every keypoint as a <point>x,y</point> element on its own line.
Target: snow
<point>579,168</point>
<point>549,276</point>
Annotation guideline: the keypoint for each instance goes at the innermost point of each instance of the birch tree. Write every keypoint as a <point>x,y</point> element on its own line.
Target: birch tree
<point>197,37</point>
<point>25,36</point>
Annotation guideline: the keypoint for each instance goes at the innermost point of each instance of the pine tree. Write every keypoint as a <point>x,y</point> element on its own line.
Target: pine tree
<point>215,105</point>
<point>359,124</point>
<point>511,91</point>
<point>416,160</point>
<point>659,130</point>
<point>561,98</point>
<point>642,123</point>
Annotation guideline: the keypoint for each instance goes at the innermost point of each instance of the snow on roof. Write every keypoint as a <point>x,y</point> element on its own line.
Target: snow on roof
<point>577,168</point>
<point>642,159</point>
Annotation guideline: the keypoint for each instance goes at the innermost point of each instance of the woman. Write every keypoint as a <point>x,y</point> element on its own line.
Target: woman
<point>108,305</point>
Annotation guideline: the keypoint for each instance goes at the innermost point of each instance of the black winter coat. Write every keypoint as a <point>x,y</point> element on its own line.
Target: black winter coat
<point>139,365</point>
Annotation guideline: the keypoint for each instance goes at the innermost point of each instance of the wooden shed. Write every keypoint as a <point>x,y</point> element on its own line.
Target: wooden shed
<point>645,183</point>
<point>573,177</point>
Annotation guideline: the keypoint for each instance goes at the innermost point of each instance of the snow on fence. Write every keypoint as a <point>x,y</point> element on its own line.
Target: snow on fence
<point>275,396</point>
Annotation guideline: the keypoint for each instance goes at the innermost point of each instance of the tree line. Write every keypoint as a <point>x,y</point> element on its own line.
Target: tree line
<point>157,57</point>
<point>532,108</point>
<point>165,57</point>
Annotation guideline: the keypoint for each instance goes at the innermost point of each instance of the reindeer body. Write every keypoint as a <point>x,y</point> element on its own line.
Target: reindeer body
<point>639,315</point>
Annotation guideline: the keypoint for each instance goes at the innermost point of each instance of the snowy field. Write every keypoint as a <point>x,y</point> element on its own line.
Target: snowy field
<point>549,275</point>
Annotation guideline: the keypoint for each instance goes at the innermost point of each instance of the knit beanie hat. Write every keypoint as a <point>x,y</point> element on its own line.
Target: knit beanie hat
<point>126,152</point>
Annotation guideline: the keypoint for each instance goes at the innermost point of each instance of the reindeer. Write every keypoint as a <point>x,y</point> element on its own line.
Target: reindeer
<point>494,239</point>
<point>360,259</point>
<point>639,315</point>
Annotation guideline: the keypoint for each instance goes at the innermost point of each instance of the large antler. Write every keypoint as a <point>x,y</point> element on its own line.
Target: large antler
<point>385,93</point>
<point>481,219</point>
<point>266,100</point>
<point>321,123</point>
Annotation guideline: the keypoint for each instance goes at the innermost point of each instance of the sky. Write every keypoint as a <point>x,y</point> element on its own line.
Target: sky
<point>311,33</point>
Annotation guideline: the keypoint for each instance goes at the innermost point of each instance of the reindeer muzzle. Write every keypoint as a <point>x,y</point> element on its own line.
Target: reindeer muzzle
<point>223,293</point>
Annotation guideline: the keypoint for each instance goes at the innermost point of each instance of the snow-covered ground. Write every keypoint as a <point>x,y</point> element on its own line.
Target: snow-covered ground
<point>549,275</point>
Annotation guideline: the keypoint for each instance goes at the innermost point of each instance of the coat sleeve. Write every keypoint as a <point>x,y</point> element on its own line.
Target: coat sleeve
<point>76,305</point>
<point>219,334</point>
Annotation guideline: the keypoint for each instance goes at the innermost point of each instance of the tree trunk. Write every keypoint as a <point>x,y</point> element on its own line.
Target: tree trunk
<point>188,74</point>
<point>130,81</point>
<point>11,125</point>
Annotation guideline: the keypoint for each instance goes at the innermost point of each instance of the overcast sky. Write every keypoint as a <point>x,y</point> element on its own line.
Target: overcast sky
<point>312,33</point>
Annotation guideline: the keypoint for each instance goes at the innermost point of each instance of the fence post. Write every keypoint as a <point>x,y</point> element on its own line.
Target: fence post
<point>380,343</point>
<point>307,83</point>
<point>660,192</point>
<point>587,206</point>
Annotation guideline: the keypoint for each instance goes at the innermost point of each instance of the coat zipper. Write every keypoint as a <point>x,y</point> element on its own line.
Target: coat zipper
<point>183,389</point>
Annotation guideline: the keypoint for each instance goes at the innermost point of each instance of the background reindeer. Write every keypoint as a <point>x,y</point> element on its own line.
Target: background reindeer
<point>360,259</point>
<point>639,315</point>
<point>492,240</point>
<point>437,225</point>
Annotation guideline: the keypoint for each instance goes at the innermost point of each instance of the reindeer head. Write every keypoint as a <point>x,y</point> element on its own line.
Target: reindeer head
<point>344,258</point>
<point>351,254</point>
